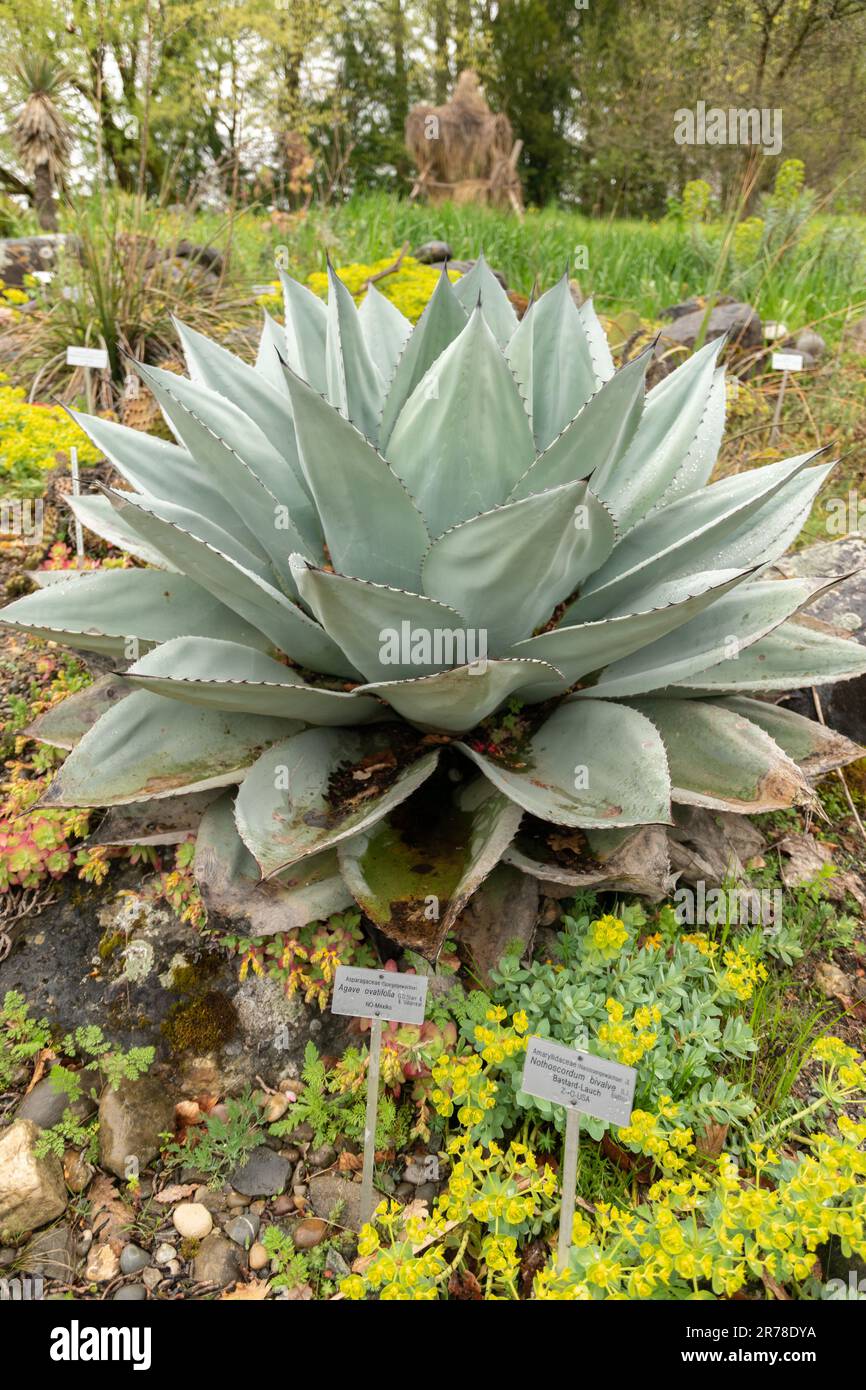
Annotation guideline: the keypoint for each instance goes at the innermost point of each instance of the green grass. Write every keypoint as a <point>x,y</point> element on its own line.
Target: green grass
<point>642,266</point>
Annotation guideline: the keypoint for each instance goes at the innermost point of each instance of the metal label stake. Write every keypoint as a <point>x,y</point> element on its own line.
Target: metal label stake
<point>582,1084</point>
<point>570,1159</point>
<point>373,1069</point>
<point>377,995</point>
<point>76,492</point>
<point>784,362</point>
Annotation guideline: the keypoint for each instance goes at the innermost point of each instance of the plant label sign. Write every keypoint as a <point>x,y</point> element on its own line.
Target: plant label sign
<point>86,357</point>
<point>379,994</point>
<point>590,1085</point>
<point>787,362</point>
<point>376,994</point>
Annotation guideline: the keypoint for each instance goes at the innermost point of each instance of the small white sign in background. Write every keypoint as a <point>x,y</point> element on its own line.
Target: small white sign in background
<point>86,357</point>
<point>379,994</point>
<point>787,362</point>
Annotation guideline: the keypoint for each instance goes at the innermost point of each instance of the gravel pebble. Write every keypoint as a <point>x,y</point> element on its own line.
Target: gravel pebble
<point>258,1256</point>
<point>192,1220</point>
<point>133,1259</point>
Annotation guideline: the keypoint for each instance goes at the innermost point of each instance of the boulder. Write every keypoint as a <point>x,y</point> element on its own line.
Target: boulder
<point>432,253</point>
<point>117,959</point>
<point>811,345</point>
<point>844,608</point>
<point>32,1190</point>
<point>131,1120</point>
<point>22,256</point>
<point>739,321</point>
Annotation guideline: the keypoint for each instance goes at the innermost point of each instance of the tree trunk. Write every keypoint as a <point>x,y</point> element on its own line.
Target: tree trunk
<point>440,37</point>
<point>400,100</point>
<point>43,198</point>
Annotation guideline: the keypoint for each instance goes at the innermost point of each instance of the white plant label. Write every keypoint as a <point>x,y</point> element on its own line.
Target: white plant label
<point>382,994</point>
<point>86,357</point>
<point>787,362</point>
<point>591,1085</point>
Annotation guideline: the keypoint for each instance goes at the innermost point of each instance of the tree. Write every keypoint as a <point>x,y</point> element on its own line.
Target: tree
<point>531,75</point>
<point>41,135</point>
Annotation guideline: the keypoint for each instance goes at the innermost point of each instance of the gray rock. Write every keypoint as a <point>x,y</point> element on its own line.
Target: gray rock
<point>321,1158</point>
<point>93,957</point>
<point>422,1168</point>
<point>243,1230</point>
<point>130,1293</point>
<point>32,1190</point>
<point>133,1259</point>
<point>218,1261</point>
<point>712,846</point>
<point>151,1277</point>
<point>432,252</point>
<point>335,1265</point>
<point>21,256</point>
<point>739,321</point>
<point>844,704</point>
<point>427,1192</point>
<point>679,311</point>
<point>811,344</point>
<point>164,1253</point>
<point>45,1105</point>
<point>131,1119</point>
<point>855,335</point>
<point>331,1192</point>
<point>265,1174</point>
<point>52,1254</point>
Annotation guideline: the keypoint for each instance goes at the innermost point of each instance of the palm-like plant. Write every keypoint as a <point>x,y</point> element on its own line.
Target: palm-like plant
<point>41,134</point>
<point>419,592</point>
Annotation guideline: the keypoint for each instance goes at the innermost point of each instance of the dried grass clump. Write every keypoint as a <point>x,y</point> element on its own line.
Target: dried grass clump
<point>465,152</point>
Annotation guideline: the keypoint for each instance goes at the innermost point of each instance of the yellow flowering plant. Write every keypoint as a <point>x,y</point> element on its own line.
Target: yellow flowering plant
<point>704,1232</point>
<point>676,1014</point>
<point>495,1200</point>
<point>409,288</point>
<point>713,1234</point>
<point>31,436</point>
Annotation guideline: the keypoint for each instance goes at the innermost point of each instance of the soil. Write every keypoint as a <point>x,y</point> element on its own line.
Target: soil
<point>562,845</point>
<point>353,783</point>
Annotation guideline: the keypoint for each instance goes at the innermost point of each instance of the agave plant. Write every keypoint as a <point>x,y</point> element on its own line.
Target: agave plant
<point>415,593</point>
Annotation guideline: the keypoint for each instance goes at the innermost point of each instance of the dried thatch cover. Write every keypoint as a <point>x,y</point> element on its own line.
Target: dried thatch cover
<point>463,150</point>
